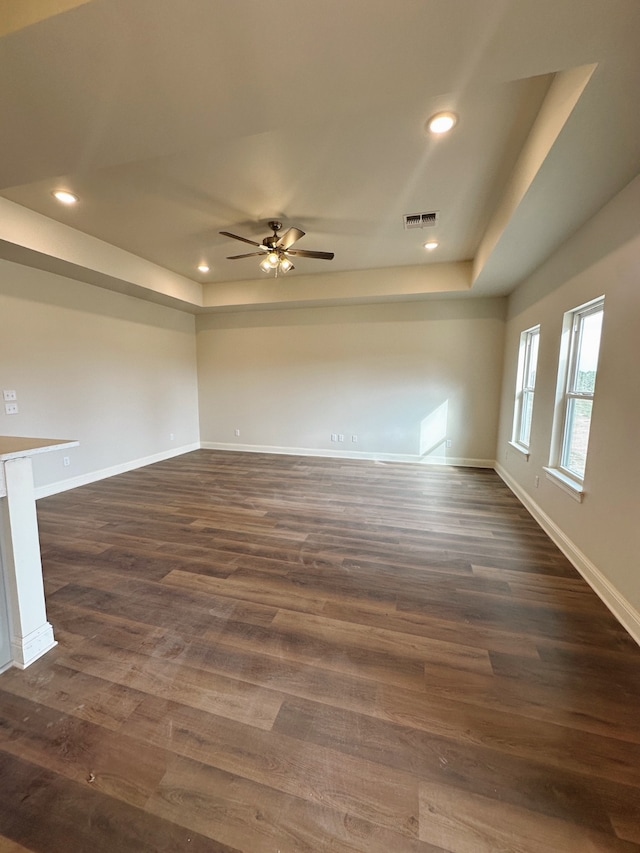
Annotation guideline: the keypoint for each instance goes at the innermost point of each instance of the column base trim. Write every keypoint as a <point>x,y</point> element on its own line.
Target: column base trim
<point>27,650</point>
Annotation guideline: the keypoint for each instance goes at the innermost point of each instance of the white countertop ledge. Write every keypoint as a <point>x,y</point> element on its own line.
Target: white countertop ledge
<point>15,447</point>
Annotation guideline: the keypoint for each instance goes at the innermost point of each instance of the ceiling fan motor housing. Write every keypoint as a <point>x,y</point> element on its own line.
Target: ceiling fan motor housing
<point>275,226</point>
<point>271,241</point>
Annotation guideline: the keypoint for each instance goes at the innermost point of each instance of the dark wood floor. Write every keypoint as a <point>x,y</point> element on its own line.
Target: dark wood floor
<point>282,654</point>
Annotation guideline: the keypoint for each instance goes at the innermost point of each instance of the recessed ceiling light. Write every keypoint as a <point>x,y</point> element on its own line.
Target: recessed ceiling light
<point>203,268</point>
<point>442,122</point>
<point>430,245</point>
<point>65,197</point>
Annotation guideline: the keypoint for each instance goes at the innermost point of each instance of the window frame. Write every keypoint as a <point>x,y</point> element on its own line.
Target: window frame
<point>568,394</point>
<point>523,389</point>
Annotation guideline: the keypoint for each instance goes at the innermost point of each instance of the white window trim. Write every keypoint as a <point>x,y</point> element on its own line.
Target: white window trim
<point>567,480</point>
<point>520,448</point>
<point>567,484</point>
<point>524,354</point>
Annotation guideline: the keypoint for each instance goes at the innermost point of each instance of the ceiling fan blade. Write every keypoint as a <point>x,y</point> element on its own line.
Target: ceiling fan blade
<point>248,255</point>
<point>289,238</point>
<point>236,237</point>
<point>305,253</point>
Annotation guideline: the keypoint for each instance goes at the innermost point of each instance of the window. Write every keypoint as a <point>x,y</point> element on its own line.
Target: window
<point>525,386</point>
<point>577,382</point>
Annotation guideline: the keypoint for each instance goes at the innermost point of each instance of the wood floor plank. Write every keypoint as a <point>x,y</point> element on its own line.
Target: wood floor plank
<point>509,732</point>
<point>261,819</point>
<point>262,653</point>
<point>379,641</point>
<point>111,763</point>
<point>91,698</point>
<point>477,636</point>
<point>222,696</point>
<point>444,760</point>
<point>48,813</point>
<point>469,823</point>
<point>532,620</point>
<point>317,774</point>
<point>273,671</point>
<point>8,846</point>
<point>446,717</point>
<point>575,709</point>
<point>158,611</point>
<point>271,595</point>
<point>625,680</point>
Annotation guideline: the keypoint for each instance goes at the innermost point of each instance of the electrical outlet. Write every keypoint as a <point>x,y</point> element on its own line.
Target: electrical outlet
<point>11,408</point>
<point>340,436</point>
<point>66,461</point>
<point>9,395</point>
<point>448,442</point>
<point>334,436</point>
<point>537,481</point>
<point>354,439</point>
<point>237,433</point>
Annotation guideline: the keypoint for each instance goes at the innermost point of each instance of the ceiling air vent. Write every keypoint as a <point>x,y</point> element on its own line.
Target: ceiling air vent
<point>420,220</point>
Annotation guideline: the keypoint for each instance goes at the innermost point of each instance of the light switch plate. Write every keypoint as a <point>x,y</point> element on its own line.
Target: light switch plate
<point>9,395</point>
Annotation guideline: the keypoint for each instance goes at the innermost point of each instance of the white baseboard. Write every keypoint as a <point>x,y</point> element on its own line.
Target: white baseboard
<point>349,454</point>
<point>624,612</point>
<point>103,473</point>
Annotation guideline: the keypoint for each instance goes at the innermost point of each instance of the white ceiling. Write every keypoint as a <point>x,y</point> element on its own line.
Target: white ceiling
<point>173,120</point>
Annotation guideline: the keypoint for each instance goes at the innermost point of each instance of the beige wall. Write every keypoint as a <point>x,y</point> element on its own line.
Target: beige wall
<point>402,377</point>
<point>117,373</point>
<point>602,534</point>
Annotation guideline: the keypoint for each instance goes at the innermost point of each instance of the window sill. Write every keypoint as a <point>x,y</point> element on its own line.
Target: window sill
<point>519,448</point>
<point>565,483</point>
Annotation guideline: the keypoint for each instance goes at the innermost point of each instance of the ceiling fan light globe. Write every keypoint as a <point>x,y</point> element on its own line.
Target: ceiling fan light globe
<point>265,266</point>
<point>273,259</point>
<point>285,265</point>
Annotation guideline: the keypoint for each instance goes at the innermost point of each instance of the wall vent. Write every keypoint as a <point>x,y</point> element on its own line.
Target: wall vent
<point>420,220</point>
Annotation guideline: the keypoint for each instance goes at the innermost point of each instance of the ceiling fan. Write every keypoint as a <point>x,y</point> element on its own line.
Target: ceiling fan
<point>275,249</point>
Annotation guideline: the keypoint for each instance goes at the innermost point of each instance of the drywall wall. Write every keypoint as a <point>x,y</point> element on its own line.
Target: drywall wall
<point>601,534</point>
<point>112,371</point>
<point>404,378</point>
